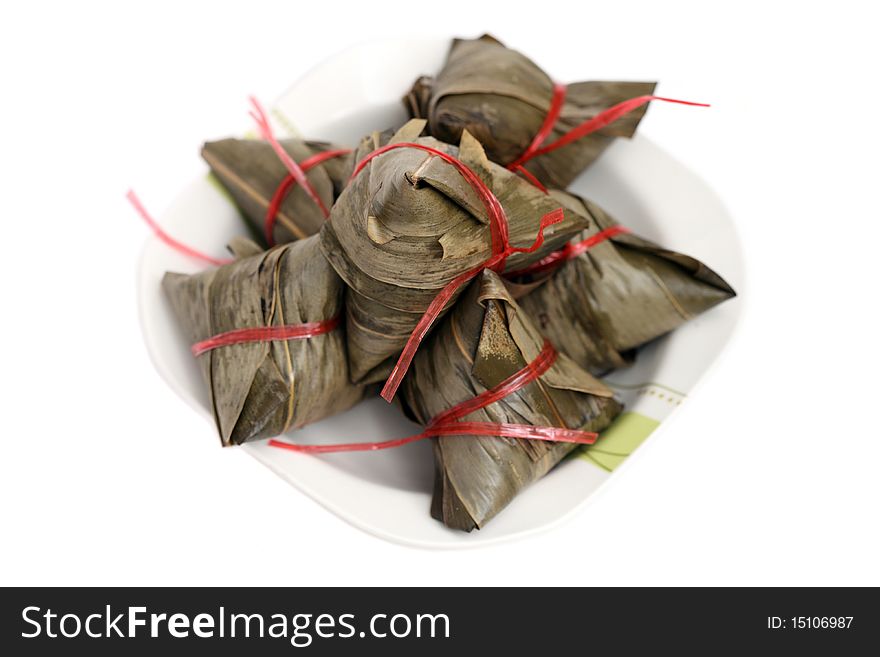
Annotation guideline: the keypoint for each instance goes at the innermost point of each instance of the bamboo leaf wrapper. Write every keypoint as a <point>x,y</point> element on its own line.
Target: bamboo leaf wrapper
<point>485,339</point>
<point>262,389</point>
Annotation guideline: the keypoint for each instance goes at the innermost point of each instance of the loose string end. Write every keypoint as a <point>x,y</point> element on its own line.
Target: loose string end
<point>178,246</point>
<point>261,118</point>
<point>549,219</point>
<point>602,119</point>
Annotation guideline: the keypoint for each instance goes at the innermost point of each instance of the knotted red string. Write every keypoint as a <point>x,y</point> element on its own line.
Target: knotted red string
<point>165,237</point>
<point>569,251</point>
<point>501,250</point>
<point>265,334</point>
<point>287,184</point>
<point>258,114</point>
<point>447,423</point>
<point>602,119</point>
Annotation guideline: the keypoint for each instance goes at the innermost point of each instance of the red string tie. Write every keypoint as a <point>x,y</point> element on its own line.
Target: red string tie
<point>288,183</point>
<point>501,250</point>
<point>602,119</point>
<point>448,422</point>
<point>258,114</point>
<point>569,251</point>
<point>265,334</point>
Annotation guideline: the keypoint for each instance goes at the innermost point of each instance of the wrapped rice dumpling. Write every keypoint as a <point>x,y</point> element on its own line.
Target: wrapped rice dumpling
<point>252,172</point>
<point>409,223</point>
<point>262,389</point>
<point>619,294</point>
<point>485,339</point>
<point>502,98</point>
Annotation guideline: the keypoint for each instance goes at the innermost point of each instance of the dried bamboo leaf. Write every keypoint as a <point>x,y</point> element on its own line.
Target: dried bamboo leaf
<point>243,247</point>
<point>251,171</point>
<point>501,97</point>
<point>618,295</point>
<point>260,390</point>
<point>482,341</point>
<point>409,224</point>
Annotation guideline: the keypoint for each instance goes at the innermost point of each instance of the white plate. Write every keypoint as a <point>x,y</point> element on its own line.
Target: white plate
<point>387,493</point>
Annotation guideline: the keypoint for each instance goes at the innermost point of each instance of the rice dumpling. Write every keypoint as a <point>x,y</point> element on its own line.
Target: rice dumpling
<point>262,388</point>
<point>409,224</point>
<point>485,339</point>
<point>252,174</point>
<point>619,294</point>
<point>503,98</point>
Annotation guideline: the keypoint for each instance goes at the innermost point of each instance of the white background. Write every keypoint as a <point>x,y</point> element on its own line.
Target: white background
<point>769,475</point>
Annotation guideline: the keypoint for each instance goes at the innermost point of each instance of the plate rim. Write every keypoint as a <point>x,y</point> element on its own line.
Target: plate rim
<point>350,517</point>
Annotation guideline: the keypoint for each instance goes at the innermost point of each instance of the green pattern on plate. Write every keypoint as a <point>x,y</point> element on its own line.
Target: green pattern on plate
<point>285,123</point>
<point>216,184</point>
<point>619,440</point>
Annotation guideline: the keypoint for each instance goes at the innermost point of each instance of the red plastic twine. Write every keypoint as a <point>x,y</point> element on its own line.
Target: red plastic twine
<point>447,423</point>
<point>165,237</point>
<point>265,334</point>
<point>535,149</point>
<point>598,122</point>
<point>556,103</point>
<point>528,175</point>
<point>287,184</point>
<point>258,114</point>
<point>569,251</point>
<point>501,250</point>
